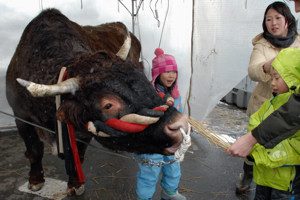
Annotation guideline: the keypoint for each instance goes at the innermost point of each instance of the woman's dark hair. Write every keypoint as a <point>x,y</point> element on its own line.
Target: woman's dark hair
<point>284,10</point>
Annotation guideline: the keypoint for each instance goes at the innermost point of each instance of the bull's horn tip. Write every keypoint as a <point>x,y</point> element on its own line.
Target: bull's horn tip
<point>23,82</point>
<point>91,127</point>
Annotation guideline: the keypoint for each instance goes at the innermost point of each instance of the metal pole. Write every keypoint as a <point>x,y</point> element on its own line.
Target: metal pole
<point>132,11</point>
<point>132,15</point>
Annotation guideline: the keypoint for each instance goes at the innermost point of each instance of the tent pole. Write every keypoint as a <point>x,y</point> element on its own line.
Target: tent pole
<point>132,11</point>
<point>132,16</point>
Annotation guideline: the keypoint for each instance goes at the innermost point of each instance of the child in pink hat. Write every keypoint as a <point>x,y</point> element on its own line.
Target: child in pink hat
<point>164,80</point>
<point>164,63</point>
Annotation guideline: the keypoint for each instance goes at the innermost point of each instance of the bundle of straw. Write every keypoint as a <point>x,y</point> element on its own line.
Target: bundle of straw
<point>208,134</point>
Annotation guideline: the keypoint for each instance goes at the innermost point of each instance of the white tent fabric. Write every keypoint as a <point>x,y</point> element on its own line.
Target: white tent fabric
<point>222,44</point>
<point>210,39</point>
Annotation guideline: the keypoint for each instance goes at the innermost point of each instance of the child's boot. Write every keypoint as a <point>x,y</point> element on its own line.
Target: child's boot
<point>171,195</point>
<point>244,184</point>
<point>246,179</point>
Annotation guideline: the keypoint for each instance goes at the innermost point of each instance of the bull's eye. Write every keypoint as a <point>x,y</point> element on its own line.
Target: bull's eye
<point>108,106</point>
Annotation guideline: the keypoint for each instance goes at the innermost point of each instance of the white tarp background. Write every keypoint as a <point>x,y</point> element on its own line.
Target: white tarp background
<point>222,44</point>
<point>219,39</point>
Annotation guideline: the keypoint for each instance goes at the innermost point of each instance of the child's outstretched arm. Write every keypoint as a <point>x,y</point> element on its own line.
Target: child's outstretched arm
<point>280,125</point>
<point>243,146</point>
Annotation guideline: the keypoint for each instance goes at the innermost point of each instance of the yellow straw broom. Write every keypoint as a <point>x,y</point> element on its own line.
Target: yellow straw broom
<point>208,134</point>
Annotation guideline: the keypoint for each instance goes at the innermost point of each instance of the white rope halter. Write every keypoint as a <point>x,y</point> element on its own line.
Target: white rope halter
<point>185,144</point>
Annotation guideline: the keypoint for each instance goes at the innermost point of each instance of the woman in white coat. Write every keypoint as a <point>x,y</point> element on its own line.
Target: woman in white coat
<point>280,32</point>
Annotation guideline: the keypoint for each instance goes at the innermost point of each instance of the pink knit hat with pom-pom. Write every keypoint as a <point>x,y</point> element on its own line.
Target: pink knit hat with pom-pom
<point>163,63</point>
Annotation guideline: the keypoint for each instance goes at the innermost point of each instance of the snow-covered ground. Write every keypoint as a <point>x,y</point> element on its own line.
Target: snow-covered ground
<point>227,120</point>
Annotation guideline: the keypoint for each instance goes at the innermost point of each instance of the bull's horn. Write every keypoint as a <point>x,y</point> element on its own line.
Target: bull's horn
<point>91,128</point>
<point>124,50</point>
<point>139,119</point>
<point>39,90</point>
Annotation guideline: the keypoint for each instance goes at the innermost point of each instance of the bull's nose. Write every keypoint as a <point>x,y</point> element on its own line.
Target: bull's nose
<point>173,129</point>
<point>179,131</point>
<point>182,122</point>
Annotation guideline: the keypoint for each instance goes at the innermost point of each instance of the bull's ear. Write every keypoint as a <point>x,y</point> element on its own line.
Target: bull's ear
<point>61,115</point>
<point>39,90</point>
<point>70,112</point>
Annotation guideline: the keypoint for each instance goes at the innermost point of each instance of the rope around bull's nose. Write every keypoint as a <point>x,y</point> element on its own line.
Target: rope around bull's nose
<point>186,143</point>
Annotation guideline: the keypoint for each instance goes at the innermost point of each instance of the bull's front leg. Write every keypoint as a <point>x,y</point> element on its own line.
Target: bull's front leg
<point>36,175</point>
<point>34,153</point>
<point>75,187</point>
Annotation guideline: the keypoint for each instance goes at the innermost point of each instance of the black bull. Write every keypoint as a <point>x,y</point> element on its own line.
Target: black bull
<point>102,86</point>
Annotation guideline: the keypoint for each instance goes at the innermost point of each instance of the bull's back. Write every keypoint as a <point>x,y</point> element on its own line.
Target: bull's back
<point>110,37</point>
<point>49,42</point>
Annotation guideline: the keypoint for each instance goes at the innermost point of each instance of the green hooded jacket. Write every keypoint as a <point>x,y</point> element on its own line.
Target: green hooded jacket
<point>275,167</point>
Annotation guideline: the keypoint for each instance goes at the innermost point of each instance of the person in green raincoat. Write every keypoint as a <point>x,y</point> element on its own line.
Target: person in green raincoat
<point>277,169</point>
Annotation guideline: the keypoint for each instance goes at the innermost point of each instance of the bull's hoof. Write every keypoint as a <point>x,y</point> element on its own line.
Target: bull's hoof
<point>36,182</point>
<point>35,187</point>
<point>73,191</point>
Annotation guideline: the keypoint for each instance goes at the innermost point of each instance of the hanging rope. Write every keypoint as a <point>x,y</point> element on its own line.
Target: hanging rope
<point>140,39</point>
<point>155,15</point>
<point>33,124</point>
<point>164,24</point>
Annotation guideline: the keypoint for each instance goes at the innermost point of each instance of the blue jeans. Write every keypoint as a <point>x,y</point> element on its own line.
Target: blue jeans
<point>147,177</point>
